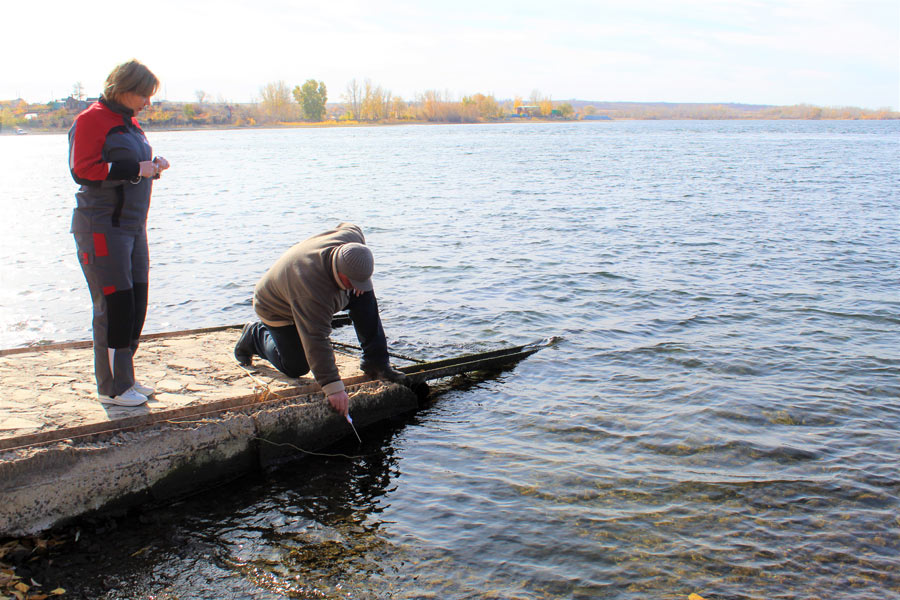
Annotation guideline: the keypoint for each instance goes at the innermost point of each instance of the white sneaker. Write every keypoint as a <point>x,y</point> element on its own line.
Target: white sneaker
<point>129,397</point>
<point>140,388</point>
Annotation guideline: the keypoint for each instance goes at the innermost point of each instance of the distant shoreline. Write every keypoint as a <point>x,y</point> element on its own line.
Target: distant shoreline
<point>341,124</point>
<point>282,112</point>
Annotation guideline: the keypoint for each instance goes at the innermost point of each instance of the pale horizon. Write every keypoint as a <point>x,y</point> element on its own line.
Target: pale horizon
<point>827,54</point>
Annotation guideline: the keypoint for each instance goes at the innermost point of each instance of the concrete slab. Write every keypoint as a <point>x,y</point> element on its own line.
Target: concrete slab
<point>64,454</point>
<point>48,388</point>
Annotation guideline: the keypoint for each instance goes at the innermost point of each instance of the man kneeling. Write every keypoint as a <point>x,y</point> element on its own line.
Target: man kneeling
<point>296,300</point>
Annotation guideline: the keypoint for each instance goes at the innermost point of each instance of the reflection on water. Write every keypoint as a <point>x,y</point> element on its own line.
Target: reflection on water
<point>722,416</point>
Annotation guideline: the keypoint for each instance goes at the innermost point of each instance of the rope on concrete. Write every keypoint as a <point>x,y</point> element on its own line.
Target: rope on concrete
<point>264,392</point>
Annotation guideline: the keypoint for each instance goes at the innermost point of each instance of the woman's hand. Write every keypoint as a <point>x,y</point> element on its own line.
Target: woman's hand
<point>148,169</point>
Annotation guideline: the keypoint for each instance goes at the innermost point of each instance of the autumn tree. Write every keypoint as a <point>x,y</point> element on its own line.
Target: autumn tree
<point>276,103</point>
<point>400,109</point>
<point>487,106</point>
<point>311,97</point>
<point>566,110</point>
<point>468,110</point>
<point>58,118</point>
<point>7,119</point>
<point>376,102</point>
<point>431,104</point>
<point>353,97</point>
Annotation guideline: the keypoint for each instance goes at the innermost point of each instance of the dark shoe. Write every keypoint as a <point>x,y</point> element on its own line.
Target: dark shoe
<point>386,373</point>
<point>245,347</point>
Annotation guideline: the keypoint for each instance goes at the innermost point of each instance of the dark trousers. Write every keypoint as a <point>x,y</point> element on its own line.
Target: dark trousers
<point>282,347</point>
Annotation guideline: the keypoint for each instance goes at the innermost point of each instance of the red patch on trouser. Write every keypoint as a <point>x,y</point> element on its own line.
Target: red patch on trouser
<point>85,258</point>
<point>110,289</point>
<point>100,248</point>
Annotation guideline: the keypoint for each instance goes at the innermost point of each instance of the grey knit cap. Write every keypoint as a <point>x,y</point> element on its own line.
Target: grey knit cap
<point>357,263</point>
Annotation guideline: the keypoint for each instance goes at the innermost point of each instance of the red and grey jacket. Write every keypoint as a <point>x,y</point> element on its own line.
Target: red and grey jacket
<point>106,147</point>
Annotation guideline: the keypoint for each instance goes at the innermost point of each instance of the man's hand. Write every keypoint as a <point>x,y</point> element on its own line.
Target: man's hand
<point>162,163</point>
<point>340,401</point>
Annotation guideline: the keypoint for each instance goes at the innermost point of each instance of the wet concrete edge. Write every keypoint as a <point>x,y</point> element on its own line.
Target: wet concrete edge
<point>48,486</point>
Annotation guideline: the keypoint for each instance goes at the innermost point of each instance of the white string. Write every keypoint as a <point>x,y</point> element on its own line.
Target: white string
<point>309,452</point>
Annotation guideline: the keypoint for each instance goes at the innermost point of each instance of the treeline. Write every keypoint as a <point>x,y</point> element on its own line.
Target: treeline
<point>651,111</point>
<point>368,102</point>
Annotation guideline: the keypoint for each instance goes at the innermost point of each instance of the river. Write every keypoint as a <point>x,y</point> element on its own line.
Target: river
<point>722,415</point>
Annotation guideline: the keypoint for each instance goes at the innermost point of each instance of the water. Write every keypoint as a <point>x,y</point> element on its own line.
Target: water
<point>722,416</point>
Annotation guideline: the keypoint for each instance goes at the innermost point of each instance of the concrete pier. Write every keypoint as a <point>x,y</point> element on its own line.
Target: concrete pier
<point>63,454</point>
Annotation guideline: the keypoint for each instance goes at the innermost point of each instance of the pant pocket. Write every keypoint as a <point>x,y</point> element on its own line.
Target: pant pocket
<point>84,247</point>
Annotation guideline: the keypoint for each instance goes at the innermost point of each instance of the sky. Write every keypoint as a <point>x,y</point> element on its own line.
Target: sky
<point>781,52</point>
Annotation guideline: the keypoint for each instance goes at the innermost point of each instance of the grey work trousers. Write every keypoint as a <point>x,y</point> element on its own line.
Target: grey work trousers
<point>116,266</point>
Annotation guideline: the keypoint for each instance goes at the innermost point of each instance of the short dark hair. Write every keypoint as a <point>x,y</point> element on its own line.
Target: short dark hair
<point>131,76</point>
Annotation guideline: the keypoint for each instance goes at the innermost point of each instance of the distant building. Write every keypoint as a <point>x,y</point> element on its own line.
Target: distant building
<point>528,111</point>
<point>75,104</point>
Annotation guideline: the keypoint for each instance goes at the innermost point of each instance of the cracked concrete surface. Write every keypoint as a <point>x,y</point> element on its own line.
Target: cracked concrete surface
<point>51,390</point>
<point>44,389</point>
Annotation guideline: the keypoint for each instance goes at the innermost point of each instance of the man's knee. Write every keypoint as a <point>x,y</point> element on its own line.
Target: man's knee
<point>296,368</point>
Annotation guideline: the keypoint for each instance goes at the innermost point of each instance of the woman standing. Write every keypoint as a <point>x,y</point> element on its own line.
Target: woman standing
<point>112,161</point>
